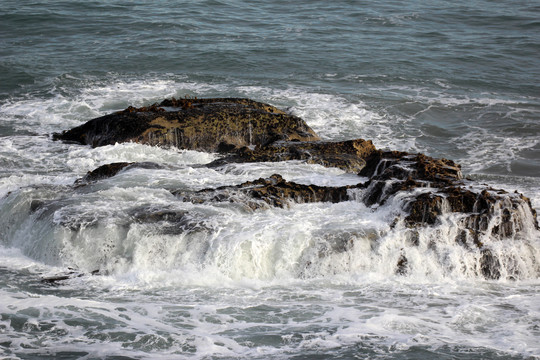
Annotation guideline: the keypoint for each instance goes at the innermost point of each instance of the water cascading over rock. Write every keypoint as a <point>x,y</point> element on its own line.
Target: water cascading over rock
<point>427,190</point>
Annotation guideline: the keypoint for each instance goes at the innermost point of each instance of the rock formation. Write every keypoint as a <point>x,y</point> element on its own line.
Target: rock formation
<point>199,124</point>
<point>110,170</point>
<point>347,155</point>
<point>273,191</point>
<point>249,131</point>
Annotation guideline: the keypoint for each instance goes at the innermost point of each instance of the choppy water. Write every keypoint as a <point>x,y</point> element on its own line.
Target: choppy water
<point>458,80</point>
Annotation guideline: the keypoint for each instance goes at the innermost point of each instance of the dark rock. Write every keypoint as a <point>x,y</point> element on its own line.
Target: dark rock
<point>200,124</point>
<point>390,172</point>
<point>402,267</point>
<point>104,172</point>
<point>110,170</point>
<point>54,280</point>
<point>424,209</point>
<point>480,209</point>
<point>274,191</point>
<point>490,265</point>
<point>250,131</point>
<point>401,165</point>
<point>436,187</point>
<point>70,274</point>
<point>347,155</point>
<point>35,205</point>
<point>168,221</point>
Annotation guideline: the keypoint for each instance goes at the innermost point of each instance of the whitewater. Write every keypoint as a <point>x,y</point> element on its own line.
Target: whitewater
<point>149,276</point>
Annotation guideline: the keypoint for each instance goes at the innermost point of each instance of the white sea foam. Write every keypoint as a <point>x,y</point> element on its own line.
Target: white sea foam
<point>447,95</point>
<point>296,171</point>
<point>490,152</point>
<point>331,116</point>
<point>106,229</point>
<point>389,317</point>
<point>66,107</point>
<point>31,161</point>
<point>180,171</point>
<point>222,280</point>
<point>82,159</point>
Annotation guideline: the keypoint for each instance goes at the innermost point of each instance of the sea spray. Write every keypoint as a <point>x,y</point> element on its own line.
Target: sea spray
<point>115,229</point>
<point>459,82</point>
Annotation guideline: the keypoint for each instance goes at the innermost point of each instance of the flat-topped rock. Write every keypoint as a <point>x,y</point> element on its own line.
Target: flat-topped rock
<point>220,124</point>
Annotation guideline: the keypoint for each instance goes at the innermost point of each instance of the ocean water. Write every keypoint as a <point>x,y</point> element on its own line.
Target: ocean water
<point>459,80</point>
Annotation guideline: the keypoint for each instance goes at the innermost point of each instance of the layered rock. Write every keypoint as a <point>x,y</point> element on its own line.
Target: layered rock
<point>249,131</point>
<point>348,155</point>
<point>273,191</point>
<point>445,192</point>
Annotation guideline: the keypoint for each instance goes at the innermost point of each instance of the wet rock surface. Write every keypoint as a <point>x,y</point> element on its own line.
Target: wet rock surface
<point>437,187</point>
<point>68,275</point>
<point>104,172</point>
<point>110,170</point>
<point>348,155</point>
<point>427,189</point>
<point>200,124</point>
<point>273,191</point>
<point>169,221</point>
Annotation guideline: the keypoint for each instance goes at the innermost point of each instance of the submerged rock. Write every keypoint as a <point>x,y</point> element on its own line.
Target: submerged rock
<point>103,172</point>
<point>68,275</point>
<point>168,221</point>
<point>110,170</point>
<point>198,124</point>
